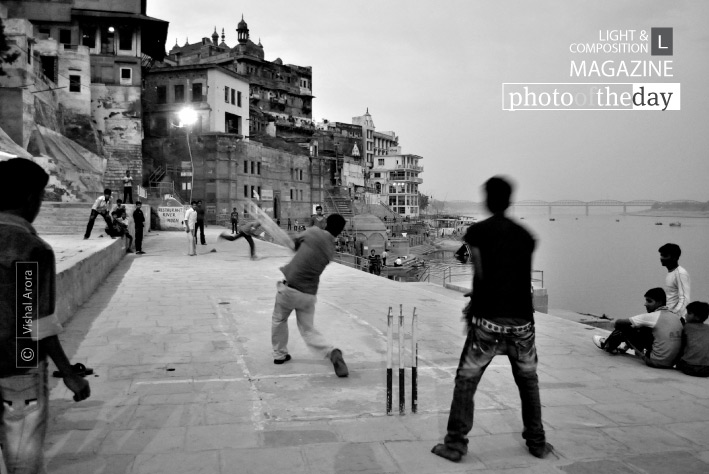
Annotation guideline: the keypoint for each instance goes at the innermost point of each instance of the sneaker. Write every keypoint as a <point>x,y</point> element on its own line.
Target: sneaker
<point>282,361</point>
<point>140,252</point>
<point>599,341</point>
<point>254,257</point>
<point>445,452</point>
<point>541,451</point>
<point>129,251</point>
<point>623,348</point>
<point>339,363</point>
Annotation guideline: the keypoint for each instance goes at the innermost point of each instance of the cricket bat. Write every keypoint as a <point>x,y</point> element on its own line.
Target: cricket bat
<point>278,235</point>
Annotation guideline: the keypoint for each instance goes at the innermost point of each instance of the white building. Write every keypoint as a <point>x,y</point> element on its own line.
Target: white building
<point>395,179</point>
<point>219,96</point>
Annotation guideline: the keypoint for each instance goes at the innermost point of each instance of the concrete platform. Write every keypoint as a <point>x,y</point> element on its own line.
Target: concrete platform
<point>185,381</point>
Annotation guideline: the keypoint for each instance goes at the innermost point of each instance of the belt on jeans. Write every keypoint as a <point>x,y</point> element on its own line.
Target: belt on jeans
<point>289,285</point>
<point>492,327</point>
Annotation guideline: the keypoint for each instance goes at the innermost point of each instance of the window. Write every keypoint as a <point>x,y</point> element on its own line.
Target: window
<point>197,92</point>
<point>246,191</point>
<point>301,194</point>
<point>253,167</point>
<point>186,185</point>
<point>179,93</point>
<point>291,194</point>
<point>259,192</point>
<point>49,67</point>
<point>126,76</point>
<point>74,83</point>
<point>107,40</point>
<point>246,166</point>
<point>65,36</point>
<point>377,175</point>
<point>301,177</point>
<point>160,126</point>
<point>258,169</point>
<point>238,98</point>
<point>226,95</point>
<point>162,94</point>
<point>233,97</point>
<point>380,162</point>
<point>253,188</point>
<point>45,31</point>
<point>88,37</point>
<point>125,38</point>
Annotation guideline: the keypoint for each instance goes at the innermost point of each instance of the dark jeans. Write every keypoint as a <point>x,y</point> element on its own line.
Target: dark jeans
<point>128,195</point>
<point>199,227</point>
<point>233,226</point>
<point>138,238</point>
<point>480,348</point>
<point>693,370</point>
<point>640,339</point>
<point>249,239</point>
<point>92,218</point>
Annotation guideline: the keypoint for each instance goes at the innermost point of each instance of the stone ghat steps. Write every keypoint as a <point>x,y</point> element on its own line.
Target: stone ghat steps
<point>65,218</point>
<point>342,207</point>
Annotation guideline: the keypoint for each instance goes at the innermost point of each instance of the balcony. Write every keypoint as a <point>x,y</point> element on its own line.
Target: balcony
<point>409,167</point>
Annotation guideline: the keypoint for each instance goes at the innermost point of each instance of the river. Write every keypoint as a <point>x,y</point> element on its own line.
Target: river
<point>604,262</point>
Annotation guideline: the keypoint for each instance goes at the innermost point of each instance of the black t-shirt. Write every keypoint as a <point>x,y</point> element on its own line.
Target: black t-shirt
<point>504,293</point>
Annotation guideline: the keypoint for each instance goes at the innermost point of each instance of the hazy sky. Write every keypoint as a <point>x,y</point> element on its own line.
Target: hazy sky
<point>433,73</point>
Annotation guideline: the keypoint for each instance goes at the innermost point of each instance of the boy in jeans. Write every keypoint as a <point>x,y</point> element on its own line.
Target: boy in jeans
<point>24,410</point>
<point>695,341</point>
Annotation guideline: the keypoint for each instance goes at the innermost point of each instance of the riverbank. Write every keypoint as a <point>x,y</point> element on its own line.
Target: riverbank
<point>669,213</point>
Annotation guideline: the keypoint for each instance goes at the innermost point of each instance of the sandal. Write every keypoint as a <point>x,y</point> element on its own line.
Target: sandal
<point>79,369</point>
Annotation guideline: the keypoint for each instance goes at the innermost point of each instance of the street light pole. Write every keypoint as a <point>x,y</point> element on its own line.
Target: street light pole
<point>189,150</point>
<point>188,117</point>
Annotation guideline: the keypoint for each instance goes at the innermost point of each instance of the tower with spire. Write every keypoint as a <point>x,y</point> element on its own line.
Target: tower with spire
<point>242,31</point>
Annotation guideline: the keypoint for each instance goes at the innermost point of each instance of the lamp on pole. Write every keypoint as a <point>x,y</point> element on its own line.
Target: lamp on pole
<point>188,117</point>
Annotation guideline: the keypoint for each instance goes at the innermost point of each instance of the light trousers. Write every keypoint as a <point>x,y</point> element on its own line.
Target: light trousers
<point>287,300</point>
<point>23,420</point>
<point>191,242</point>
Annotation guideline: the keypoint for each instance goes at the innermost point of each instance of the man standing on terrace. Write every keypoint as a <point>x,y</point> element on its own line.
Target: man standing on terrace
<point>500,320</point>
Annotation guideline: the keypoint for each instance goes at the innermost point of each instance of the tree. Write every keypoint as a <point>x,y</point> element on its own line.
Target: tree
<point>423,201</point>
<point>5,55</point>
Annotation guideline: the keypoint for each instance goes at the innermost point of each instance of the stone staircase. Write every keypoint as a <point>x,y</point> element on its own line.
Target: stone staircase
<point>339,205</point>
<point>65,218</point>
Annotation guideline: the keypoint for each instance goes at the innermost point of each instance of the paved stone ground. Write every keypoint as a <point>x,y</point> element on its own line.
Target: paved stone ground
<point>185,381</point>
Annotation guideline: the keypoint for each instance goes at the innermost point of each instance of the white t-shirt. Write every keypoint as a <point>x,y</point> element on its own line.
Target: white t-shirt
<point>127,182</point>
<point>667,332</point>
<point>677,290</point>
<point>190,218</point>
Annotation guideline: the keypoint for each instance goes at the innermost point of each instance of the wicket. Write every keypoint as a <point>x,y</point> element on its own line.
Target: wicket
<point>414,362</point>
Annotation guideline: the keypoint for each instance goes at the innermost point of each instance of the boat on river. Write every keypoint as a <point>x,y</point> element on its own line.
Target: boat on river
<point>675,224</point>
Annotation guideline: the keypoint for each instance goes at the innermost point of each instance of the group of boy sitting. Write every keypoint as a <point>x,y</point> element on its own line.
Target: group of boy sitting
<point>661,338</point>
<point>119,225</point>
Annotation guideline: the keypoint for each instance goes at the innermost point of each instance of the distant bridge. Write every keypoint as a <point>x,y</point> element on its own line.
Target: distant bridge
<point>588,204</point>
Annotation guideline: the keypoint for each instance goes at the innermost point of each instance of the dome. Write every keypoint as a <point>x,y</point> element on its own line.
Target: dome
<point>278,61</point>
<point>242,24</point>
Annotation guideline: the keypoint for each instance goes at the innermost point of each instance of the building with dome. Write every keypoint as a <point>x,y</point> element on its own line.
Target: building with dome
<point>278,93</point>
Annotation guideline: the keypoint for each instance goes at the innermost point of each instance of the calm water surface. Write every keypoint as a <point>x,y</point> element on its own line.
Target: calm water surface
<point>593,264</point>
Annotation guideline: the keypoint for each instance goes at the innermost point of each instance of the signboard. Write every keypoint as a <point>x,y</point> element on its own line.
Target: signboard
<point>267,194</point>
<point>171,217</point>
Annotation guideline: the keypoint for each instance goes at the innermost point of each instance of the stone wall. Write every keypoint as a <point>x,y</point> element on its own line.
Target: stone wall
<point>220,175</point>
